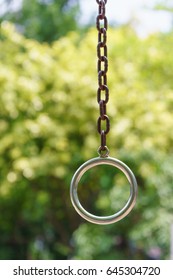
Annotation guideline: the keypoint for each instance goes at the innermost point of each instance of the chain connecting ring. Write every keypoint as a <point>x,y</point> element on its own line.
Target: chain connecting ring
<point>103,127</point>
<point>103,219</point>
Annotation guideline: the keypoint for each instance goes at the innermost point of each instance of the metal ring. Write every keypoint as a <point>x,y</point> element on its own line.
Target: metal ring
<point>103,219</point>
<point>103,152</point>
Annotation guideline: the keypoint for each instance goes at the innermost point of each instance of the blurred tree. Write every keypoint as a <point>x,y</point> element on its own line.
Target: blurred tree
<point>48,114</point>
<point>44,20</point>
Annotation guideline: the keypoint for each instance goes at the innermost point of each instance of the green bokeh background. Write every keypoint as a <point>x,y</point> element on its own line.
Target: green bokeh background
<point>48,114</point>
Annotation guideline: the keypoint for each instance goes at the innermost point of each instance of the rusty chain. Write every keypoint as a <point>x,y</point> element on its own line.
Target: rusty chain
<point>102,68</point>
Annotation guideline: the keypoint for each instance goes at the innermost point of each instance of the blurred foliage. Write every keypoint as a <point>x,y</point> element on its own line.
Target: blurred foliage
<point>44,20</point>
<point>164,5</point>
<point>48,114</point>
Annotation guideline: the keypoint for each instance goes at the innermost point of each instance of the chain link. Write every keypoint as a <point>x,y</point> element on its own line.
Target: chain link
<point>103,123</point>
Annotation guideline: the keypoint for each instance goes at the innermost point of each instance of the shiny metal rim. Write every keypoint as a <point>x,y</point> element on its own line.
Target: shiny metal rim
<point>103,219</point>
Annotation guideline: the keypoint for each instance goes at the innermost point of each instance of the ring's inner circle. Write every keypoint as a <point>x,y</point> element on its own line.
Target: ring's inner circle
<point>103,190</point>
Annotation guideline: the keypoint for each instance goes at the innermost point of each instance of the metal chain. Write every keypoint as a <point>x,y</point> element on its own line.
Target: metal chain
<point>102,68</point>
